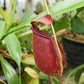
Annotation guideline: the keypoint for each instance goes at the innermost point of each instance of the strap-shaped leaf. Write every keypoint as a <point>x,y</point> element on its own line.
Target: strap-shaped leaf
<point>56,9</point>
<point>14,48</point>
<point>2,26</point>
<point>65,6</point>
<point>10,74</point>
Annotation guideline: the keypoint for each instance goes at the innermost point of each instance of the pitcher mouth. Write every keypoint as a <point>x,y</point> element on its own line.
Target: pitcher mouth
<point>36,30</point>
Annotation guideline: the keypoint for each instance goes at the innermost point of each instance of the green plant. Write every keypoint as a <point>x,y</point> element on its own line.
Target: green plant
<point>7,32</point>
<point>78,71</point>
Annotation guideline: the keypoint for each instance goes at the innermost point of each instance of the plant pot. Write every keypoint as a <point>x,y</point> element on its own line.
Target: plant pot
<point>17,71</point>
<point>74,51</point>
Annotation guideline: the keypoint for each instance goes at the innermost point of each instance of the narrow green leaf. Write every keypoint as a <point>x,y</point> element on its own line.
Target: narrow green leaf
<point>78,75</point>
<point>56,9</point>
<point>82,78</point>
<point>10,74</point>
<point>2,27</point>
<point>66,6</point>
<point>55,80</point>
<point>14,48</point>
<point>43,76</point>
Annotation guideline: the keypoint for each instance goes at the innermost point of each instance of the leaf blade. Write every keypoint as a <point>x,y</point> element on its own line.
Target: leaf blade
<point>14,47</point>
<point>61,7</point>
<point>2,27</point>
<point>57,9</point>
<point>11,75</point>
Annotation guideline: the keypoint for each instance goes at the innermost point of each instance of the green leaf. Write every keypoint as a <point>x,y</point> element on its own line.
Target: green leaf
<point>78,75</point>
<point>27,15</point>
<point>82,77</point>
<point>80,9</point>
<point>14,48</point>
<point>26,40</point>
<point>11,75</point>
<point>77,25</point>
<point>73,71</point>
<point>55,80</point>
<point>61,7</point>
<point>56,9</point>
<point>62,23</point>
<point>2,27</point>
<point>43,76</point>
<point>73,13</point>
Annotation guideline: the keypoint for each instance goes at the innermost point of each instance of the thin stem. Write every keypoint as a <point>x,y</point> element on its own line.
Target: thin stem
<point>51,81</point>
<point>20,74</point>
<point>2,81</point>
<point>47,11</point>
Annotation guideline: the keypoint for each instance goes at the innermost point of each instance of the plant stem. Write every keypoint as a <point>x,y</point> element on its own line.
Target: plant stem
<point>47,11</point>
<point>2,81</point>
<point>20,74</point>
<point>51,81</point>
